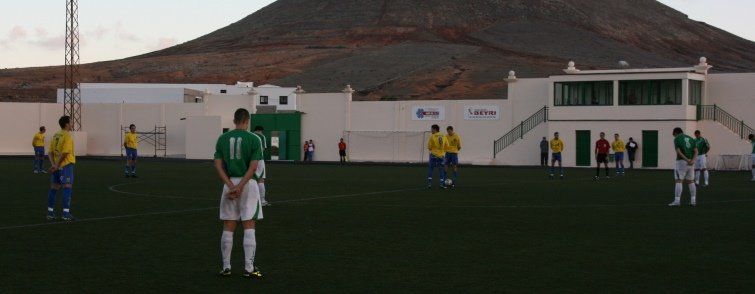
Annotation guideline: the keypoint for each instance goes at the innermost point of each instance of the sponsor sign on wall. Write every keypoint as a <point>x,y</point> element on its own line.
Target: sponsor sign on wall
<point>428,113</point>
<point>482,112</point>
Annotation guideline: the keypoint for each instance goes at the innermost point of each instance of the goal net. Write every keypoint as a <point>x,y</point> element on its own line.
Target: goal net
<point>387,146</point>
<point>733,162</point>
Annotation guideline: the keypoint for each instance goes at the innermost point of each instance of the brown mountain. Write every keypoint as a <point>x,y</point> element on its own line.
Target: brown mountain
<point>417,49</point>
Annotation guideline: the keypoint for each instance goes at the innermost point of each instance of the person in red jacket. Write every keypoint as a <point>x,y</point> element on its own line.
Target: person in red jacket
<point>342,151</point>
<point>306,151</point>
<point>602,148</point>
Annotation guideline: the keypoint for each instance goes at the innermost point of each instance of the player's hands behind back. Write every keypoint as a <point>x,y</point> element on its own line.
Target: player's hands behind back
<point>236,191</point>
<point>233,191</point>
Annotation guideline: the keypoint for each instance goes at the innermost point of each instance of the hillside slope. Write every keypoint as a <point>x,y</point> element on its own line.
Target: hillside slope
<point>419,49</point>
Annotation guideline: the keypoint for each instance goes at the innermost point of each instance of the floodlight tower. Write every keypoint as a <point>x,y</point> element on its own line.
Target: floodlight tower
<point>71,91</point>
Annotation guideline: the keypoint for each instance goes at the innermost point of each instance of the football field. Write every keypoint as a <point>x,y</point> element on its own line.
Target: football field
<point>356,229</point>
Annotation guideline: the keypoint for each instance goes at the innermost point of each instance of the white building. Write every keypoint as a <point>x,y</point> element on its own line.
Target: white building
<point>645,104</point>
<point>283,98</point>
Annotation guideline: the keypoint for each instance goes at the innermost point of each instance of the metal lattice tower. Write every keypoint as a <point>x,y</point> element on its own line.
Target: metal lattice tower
<point>71,91</point>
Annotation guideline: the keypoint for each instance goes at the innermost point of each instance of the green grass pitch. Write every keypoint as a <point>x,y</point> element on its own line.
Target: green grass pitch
<point>356,229</point>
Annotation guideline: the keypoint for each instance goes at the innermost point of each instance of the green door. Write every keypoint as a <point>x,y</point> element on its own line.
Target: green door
<point>293,145</point>
<point>649,146</point>
<point>583,148</point>
<point>282,150</point>
<point>288,127</point>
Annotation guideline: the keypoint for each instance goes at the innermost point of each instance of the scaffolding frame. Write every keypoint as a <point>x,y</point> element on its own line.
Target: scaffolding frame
<point>158,138</point>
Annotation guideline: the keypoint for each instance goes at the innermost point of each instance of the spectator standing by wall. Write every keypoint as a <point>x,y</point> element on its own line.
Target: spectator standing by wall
<point>311,150</point>
<point>632,147</point>
<point>306,150</point>
<point>544,145</point>
<point>342,151</point>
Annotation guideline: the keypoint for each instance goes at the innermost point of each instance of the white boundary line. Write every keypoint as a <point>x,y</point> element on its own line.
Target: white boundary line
<point>541,206</point>
<point>113,189</point>
<point>107,218</point>
<point>349,195</point>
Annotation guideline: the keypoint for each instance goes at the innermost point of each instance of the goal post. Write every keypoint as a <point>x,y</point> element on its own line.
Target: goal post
<point>387,146</point>
<point>732,162</point>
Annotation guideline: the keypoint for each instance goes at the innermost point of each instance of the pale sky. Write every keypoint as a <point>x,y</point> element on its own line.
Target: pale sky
<point>32,31</point>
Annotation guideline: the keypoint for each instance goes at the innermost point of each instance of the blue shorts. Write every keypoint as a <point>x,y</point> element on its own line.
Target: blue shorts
<point>436,161</point>
<point>130,153</point>
<point>557,157</point>
<point>63,176</point>
<point>39,151</point>
<point>452,158</point>
<point>618,156</point>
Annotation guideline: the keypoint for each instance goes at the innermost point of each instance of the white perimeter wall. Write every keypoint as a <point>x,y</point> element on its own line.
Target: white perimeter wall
<point>225,105</point>
<point>324,119</point>
<point>21,121</point>
<point>101,122</point>
<point>735,93</point>
<point>201,140</point>
<point>477,136</point>
<point>125,95</point>
<point>327,115</point>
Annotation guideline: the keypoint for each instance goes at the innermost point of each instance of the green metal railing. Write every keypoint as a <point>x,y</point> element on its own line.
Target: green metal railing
<point>520,130</point>
<point>718,114</point>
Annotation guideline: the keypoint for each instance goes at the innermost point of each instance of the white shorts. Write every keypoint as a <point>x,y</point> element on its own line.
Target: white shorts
<point>261,171</point>
<point>701,162</point>
<point>684,171</point>
<point>245,207</point>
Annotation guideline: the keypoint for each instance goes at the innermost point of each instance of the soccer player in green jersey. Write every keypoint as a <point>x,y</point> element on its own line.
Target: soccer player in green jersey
<point>701,165</point>
<point>237,155</point>
<point>684,172</point>
<point>261,171</point>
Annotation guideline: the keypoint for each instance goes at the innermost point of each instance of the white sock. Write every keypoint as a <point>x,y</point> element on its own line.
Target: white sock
<point>697,176</point>
<point>262,192</point>
<point>706,175</point>
<point>678,192</point>
<point>250,246</point>
<point>753,172</point>
<point>693,192</point>
<point>226,246</point>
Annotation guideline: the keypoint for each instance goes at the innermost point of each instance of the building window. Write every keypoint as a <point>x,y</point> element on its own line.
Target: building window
<point>223,91</point>
<point>650,92</point>
<point>695,92</point>
<point>583,93</point>
<point>283,100</point>
<point>263,100</point>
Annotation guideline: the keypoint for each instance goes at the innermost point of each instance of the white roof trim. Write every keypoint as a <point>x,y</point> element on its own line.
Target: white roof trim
<point>634,71</point>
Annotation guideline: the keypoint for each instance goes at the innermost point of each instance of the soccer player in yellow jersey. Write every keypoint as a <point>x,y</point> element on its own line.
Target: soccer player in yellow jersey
<point>437,145</point>
<point>556,147</point>
<point>62,158</point>
<point>131,142</point>
<point>452,153</point>
<point>39,150</point>
<point>618,147</point>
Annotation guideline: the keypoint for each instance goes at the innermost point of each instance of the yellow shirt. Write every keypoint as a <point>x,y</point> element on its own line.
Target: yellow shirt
<point>62,142</point>
<point>618,146</point>
<point>454,143</point>
<point>437,145</point>
<point>557,145</point>
<point>39,140</point>
<point>130,140</point>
